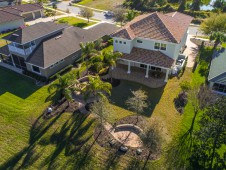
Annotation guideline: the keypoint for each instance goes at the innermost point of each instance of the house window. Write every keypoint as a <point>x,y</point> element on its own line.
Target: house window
<point>75,56</point>
<point>139,41</point>
<point>219,87</point>
<point>155,68</point>
<point>157,46</point>
<point>163,46</point>
<point>116,41</point>
<point>124,42</point>
<point>143,66</point>
<point>36,69</point>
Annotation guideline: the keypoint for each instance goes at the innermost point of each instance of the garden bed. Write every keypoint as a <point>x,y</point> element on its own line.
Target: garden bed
<point>105,139</point>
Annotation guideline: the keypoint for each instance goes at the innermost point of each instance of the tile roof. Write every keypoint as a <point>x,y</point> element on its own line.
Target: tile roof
<point>34,32</point>
<point>55,49</point>
<point>154,58</point>
<point>18,9</point>
<point>218,66</point>
<point>7,16</point>
<point>169,27</point>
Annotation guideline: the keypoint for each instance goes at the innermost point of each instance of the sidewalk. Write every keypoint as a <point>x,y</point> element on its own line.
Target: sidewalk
<point>51,19</point>
<point>95,9</point>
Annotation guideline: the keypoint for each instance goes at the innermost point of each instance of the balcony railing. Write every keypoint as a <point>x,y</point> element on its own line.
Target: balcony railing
<point>25,51</point>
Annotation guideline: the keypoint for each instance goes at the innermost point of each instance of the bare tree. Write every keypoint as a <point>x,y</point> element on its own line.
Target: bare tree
<point>119,15</point>
<point>138,102</point>
<point>152,140</point>
<point>86,13</point>
<point>101,108</point>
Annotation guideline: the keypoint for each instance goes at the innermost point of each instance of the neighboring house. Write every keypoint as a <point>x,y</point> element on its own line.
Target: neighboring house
<point>9,21</point>
<point>46,48</point>
<point>217,72</point>
<point>28,11</point>
<point>152,41</point>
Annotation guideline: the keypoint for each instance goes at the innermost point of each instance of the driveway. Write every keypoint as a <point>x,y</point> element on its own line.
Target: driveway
<point>75,10</point>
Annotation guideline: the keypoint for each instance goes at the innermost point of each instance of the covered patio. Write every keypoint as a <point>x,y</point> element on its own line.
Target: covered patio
<point>120,72</point>
<point>140,63</point>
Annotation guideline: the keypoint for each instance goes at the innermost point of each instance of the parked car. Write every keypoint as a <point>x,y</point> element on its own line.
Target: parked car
<point>75,1</point>
<point>108,14</point>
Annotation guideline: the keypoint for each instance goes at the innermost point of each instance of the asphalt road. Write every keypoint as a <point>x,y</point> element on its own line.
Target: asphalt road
<point>98,15</point>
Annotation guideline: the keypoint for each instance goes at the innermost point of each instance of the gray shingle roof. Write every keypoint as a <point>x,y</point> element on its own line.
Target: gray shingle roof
<point>18,9</point>
<point>34,32</point>
<point>55,49</point>
<point>7,16</point>
<point>218,66</point>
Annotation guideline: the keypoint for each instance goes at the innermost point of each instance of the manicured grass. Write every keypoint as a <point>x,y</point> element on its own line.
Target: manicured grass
<point>76,22</point>
<point>66,141</point>
<point>102,4</point>
<point>224,45</point>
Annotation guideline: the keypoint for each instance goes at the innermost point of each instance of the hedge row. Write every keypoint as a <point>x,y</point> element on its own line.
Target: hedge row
<point>61,72</point>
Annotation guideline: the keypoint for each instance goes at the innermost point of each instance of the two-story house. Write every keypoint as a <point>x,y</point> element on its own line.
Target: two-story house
<point>152,41</point>
<point>46,48</point>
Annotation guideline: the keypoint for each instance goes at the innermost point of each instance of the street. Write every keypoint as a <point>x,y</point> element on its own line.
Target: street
<point>75,10</point>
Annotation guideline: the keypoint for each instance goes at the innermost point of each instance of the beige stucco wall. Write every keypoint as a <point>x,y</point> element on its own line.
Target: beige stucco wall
<point>47,72</point>
<point>11,25</point>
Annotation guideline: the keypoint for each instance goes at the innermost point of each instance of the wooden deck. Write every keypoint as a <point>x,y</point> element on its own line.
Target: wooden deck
<point>137,75</point>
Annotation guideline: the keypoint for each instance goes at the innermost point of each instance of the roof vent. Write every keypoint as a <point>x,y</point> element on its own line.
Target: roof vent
<point>57,37</point>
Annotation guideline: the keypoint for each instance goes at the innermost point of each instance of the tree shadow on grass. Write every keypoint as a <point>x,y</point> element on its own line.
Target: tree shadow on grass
<point>29,154</point>
<point>71,138</point>
<point>136,164</point>
<point>113,159</point>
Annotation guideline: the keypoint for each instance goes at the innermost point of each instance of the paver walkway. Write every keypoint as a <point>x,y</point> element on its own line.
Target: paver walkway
<point>191,51</point>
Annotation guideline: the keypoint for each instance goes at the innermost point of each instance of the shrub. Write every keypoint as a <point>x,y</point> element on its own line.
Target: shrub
<point>185,86</point>
<point>61,72</point>
<point>181,101</point>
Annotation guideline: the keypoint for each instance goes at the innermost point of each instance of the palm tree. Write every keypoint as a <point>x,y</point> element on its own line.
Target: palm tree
<point>96,87</point>
<point>62,87</point>
<point>88,50</point>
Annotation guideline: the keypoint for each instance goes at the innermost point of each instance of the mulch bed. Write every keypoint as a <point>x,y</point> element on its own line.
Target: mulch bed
<point>59,108</point>
<point>104,138</point>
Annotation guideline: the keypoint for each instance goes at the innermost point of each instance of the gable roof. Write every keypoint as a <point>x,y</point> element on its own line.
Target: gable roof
<point>169,27</point>
<point>18,9</point>
<point>67,43</point>
<point>7,17</point>
<point>34,32</point>
<point>218,66</point>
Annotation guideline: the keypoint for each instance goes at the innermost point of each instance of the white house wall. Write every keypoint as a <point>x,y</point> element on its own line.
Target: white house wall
<point>172,49</point>
<point>124,48</point>
<point>11,25</point>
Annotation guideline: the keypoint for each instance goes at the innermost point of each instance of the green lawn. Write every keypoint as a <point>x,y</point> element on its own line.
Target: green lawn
<point>76,22</point>
<point>66,142</point>
<point>102,4</point>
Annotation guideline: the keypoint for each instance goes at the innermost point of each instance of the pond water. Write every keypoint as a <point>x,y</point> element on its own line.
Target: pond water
<point>209,6</point>
<point>122,92</point>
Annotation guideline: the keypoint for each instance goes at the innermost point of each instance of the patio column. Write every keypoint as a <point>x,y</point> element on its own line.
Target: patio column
<point>167,75</point>
<point>129,65</point>
<point>147,71</point>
